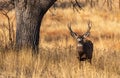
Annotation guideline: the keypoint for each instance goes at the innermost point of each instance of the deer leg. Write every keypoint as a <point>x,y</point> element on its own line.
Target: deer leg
<point>89,57</point>
<point>90,60</point>
<point>81,58</point>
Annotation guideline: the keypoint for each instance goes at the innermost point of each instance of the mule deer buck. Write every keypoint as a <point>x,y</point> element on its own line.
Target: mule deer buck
<point>84,46</point>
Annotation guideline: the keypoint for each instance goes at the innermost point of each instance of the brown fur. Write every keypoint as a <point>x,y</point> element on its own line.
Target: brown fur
<point>85,52</point>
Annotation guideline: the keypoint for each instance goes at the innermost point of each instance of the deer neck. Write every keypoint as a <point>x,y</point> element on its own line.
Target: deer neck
<point>79,45</point>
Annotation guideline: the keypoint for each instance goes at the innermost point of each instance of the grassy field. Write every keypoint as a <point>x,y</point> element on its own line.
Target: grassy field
<point>58,55</point>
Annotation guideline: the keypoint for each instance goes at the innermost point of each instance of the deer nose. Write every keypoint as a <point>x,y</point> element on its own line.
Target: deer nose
<point>79,39</point>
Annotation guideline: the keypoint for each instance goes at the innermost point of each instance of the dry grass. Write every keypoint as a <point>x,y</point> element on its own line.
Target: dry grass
<point>58,57</point>
<point>59,63</point>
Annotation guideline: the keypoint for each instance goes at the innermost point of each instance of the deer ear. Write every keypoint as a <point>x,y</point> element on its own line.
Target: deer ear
<point>73,34</point>
<point>88,31</point>
<point>86,35</point>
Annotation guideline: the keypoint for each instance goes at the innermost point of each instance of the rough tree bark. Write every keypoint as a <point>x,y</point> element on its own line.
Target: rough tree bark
<point>29,14</point>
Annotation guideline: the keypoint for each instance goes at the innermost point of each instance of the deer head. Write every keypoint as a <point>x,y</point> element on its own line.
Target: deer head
<point>78,37</point>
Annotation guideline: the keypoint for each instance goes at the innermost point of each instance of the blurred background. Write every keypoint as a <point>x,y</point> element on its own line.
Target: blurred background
<point>58,55</point>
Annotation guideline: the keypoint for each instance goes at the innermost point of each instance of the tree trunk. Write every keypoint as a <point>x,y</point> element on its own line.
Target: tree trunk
<point>29,14</point>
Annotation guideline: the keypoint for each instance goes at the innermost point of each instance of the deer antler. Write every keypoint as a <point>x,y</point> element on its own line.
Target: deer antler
<point>88,31</point>
<point>69,27</point>
<point>73,34</point>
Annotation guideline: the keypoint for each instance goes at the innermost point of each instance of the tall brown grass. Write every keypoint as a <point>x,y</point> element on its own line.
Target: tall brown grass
<point>58,55</point>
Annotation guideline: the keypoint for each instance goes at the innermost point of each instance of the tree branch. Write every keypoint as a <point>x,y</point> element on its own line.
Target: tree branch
<point>7,5</point>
